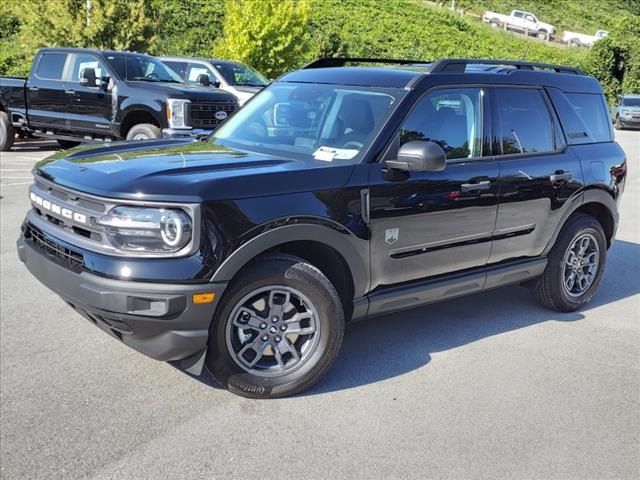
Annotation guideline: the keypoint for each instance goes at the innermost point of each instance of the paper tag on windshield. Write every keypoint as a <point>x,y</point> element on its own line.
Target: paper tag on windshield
<point>328,154</point>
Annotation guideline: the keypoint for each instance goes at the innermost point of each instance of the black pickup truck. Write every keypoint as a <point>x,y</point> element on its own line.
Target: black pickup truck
<point>337,193</point>
<point>76,95</point>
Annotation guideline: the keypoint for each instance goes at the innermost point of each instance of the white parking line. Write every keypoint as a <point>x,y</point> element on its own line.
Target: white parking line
<point>3,177</point>
<point>14,170</point>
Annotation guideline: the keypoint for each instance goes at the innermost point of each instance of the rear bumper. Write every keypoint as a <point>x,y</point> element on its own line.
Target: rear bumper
<point>157,319</point>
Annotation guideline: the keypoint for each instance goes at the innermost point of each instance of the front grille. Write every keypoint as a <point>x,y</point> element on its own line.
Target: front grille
<point>64,256</point>
<point>203,115</point>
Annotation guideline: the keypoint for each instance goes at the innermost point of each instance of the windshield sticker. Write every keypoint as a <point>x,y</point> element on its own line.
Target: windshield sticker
<point>328,154</point>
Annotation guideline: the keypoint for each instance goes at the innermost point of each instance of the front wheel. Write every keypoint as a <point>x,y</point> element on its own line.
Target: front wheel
<point>617,124</point>
<point>575,265</point>
<point>278,330</point>
<point>7,133</point>
<point>144,131</point>
<point>542,35</point>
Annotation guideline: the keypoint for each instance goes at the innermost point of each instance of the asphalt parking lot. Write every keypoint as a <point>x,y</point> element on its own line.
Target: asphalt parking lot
<point>489,386</point>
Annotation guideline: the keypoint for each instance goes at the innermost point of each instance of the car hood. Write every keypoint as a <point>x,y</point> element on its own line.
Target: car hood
<point>185,171</point>
<point>186,91</point>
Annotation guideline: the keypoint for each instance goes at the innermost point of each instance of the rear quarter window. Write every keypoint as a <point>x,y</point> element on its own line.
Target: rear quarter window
<point>592,110</point>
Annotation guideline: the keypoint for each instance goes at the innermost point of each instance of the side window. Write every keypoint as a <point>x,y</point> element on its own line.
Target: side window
<point>518,14</point>
<point>83,61</point>
<point>195,70</point>
<point>525,125</point>
<point>179,67</point>
<point>592,111</point>
<point>51,66</point>
<point>529,18</point>
<point>452,118</point>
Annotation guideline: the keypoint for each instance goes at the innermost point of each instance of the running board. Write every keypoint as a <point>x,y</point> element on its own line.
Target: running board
<point>423,292</point>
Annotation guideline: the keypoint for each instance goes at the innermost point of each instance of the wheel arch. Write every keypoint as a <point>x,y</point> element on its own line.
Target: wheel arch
<point>600,204</point>
<point>336,253</point>
<point>137,114</point>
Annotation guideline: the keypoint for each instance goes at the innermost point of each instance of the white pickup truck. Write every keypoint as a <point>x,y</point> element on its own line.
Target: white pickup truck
<point>520,21</point>
<point>583,40</point>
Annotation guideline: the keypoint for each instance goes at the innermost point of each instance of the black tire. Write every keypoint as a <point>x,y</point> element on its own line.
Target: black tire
<point>276,271</point>
<point>143,131</point>
<point>617,124</point>
<point>7,133</point>
<point>542,35</point>
<point>68,143</point>
<point>550,288</point>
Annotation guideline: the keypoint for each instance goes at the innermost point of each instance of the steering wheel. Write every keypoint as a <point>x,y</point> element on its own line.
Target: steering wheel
<point>153,76</point>
<point>353,144</point>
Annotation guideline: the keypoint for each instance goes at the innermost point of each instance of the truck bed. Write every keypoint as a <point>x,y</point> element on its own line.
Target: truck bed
<point>13,94</point>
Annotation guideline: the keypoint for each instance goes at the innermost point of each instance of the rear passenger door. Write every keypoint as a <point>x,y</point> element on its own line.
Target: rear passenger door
<point>539,176</point>
<point>46,92</point>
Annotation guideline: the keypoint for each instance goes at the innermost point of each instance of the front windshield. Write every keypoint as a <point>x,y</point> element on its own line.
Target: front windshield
<point>239,74</point>
<point>631,102</point>
<point>326,123</point>
<point>131,67</point>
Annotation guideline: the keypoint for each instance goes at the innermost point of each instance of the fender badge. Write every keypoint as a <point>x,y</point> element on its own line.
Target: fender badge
<point>391,235</point>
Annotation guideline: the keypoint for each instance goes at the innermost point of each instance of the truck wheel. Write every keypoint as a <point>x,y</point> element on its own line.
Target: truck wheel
<point>143,131</point>
<point>617,124</point>
<point>575,265</point>
<point>68,143</point>
<point>494,24</point>
<point>542,35</point>
<point>278,329</point>
<point>7,133</point>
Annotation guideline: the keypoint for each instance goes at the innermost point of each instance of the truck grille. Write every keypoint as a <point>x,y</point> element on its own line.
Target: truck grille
<point>209,115</point>
<point>64,256</point>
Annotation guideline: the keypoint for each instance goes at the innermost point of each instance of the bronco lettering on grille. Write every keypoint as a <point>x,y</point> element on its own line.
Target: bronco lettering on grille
<point>57,209</point>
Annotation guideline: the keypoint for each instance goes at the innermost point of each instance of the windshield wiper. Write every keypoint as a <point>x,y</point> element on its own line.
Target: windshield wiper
<point>248,84</point>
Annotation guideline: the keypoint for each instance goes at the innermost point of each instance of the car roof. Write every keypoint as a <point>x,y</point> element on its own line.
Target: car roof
<point>630,95</point>
<point>91,50</point>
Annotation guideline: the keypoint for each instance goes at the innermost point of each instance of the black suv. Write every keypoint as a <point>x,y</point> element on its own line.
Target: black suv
<point>337,193</point>
<point>77,94</point>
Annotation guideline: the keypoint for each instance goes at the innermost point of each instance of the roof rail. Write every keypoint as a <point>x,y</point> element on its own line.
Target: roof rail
<point>457,65</point>
<point>341,61</point>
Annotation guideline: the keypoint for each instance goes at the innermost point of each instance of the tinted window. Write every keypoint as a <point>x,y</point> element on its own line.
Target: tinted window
<point>524,122</point>
<point>593,113</point>
<point>452,118</point>
<point>178,67</point>
<point>51,65</point>
<point>83,61</point>
<point>631,102</point>
<point>239,74</point>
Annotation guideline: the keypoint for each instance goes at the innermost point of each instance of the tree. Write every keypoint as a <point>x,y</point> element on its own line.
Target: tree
<point>104,24</point>
<point>266,34</point>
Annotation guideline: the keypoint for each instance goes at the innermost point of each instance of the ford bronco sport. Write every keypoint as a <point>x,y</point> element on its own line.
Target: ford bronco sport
<point>339,192</point>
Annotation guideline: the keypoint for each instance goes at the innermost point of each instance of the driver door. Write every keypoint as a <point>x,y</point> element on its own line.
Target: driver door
<point>429,223</point>
<point>88,107</point>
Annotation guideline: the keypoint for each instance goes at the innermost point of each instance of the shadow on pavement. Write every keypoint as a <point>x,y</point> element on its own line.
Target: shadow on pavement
<point>35,145</point>
<point>391,345</point>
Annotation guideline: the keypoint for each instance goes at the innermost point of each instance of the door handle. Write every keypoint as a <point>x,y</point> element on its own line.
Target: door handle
<point>470,187</point>
<point>70,92</point>
<point>33,89</point>
<point>560,176</point>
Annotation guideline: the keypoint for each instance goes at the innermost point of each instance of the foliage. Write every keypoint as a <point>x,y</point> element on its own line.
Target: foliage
<point>188,27</point>
<point>266,34</point>
<point>408,29</point>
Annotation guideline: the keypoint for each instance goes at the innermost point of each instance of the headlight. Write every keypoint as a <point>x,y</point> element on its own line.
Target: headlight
<point>139,229</point>
<point>177,112</point>
<point>625,112</point>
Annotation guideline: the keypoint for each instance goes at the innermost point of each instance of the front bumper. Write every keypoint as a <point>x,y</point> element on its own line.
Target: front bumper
<point>185,132</point>
<point>157,319</point>
<point>630,122</point>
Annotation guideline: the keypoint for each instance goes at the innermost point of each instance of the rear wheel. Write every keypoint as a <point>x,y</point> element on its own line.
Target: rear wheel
<point>278,329</point>
<point>575,265</point>
<point>7,133</point>
<point>143,131</point>
<point>68,143</point>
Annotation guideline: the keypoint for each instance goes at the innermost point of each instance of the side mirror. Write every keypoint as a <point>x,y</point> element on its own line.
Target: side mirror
<point>419,156</point>
<point>88,77</point>
<point>216,83</point>
<point>204,80</point>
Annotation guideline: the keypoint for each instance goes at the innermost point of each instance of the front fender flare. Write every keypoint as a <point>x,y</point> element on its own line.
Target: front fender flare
<point>345,243</point>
